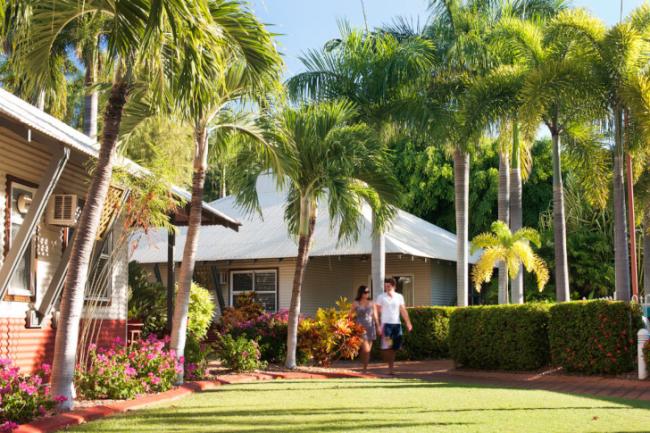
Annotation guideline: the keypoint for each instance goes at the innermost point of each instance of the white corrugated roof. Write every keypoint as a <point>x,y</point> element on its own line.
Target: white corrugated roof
<point>29,115</point>
<point>267,237</point>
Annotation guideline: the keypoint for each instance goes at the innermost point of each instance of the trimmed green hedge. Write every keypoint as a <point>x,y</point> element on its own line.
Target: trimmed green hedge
<point>594,337</point>
<point>500,337</point>
<point>429,338</point>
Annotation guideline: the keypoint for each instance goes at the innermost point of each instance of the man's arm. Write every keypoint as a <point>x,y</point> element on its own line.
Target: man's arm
<point>405,315</point>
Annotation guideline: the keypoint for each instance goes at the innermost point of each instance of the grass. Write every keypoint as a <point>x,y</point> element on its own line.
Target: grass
<point>356,405</point>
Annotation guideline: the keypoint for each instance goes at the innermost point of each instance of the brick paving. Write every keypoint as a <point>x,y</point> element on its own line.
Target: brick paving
<point>443,370</point>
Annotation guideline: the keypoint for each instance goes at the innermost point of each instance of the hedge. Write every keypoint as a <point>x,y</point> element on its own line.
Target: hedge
<point>594,337</point>
<point>500,337</point>
<point>429,338</point>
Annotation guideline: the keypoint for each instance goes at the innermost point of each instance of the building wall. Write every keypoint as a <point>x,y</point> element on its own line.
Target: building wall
<point>329,278</point>
<point>27,161</point>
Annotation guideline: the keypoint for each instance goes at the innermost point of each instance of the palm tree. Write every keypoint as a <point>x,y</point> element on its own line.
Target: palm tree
<point>137,34</point>
<point>493,100</point>
<point>559,90</point>
<point>622,53</point>
<point>502,246</point>
<point>249,66</point>
<point>326,158</point>
<point>372,70</point>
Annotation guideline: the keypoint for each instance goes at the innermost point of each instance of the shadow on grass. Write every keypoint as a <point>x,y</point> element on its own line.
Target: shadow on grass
<point>206,414</point>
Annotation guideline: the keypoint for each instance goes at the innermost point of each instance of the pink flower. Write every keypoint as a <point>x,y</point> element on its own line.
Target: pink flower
<point>130,371</point>
<point>59,399</point>
<point>46,368</point>
<point>27,388</point>
<point>8,426</point>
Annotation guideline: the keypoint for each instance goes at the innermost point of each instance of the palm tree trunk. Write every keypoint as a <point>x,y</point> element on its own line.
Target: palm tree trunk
<point>559,224</point>
<point>223,181</point>
<point>621,256</point>
<point>516,209</point>
<point>504,215</point>
<point>182,302</point>
<point>646,252</point>
<point>461,191</point>
<point>72,300</point>
<point>91,100</point>
<point>307,222</point>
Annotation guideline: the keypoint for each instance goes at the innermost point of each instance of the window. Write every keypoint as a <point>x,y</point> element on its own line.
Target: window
<point>100,274</point>
<point>262,282</point>
<point>20,195</point>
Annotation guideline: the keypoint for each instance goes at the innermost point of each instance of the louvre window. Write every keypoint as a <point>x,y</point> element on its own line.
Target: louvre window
<point>263,283</point>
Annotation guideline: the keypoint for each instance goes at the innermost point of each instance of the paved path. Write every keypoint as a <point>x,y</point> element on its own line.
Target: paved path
<point>589,385</point>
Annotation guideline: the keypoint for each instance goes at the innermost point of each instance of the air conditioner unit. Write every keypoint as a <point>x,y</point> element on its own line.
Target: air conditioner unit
<point>62,210</point>
<point>223,277</point>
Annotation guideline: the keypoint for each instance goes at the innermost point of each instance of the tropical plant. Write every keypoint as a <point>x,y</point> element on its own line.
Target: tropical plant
<point>377,71</point>
<point>622,56</point>
<point>239,354</point>
<point>122,371</point>
<point>324,156</point>
<point>559,90</point>
<point>331,335</point>
<point>139,34</point>
<point>513,249</point>
<point>247,67</point>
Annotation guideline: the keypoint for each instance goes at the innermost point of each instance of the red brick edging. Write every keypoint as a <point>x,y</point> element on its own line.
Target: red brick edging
<point>58,422</point>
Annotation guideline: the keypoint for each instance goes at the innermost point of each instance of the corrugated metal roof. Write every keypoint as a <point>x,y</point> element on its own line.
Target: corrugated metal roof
<point>32,117</point>
<point>267,236</point>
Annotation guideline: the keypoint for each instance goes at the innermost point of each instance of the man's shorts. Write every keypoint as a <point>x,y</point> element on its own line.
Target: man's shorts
<point>391,337</point>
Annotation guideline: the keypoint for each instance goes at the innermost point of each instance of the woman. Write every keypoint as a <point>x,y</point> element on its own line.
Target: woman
<point>365,314</point>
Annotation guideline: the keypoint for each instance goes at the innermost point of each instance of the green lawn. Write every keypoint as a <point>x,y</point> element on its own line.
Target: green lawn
<point>381,406</point>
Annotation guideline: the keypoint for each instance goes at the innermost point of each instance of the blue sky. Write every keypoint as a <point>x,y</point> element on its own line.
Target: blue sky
<point>306,24</point>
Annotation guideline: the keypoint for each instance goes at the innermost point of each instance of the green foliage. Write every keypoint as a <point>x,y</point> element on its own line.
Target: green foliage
<point>148,302</point>
<point>595,337</point>
<point>429,338</point>
<point>331,335</point>
<point>239,354</point>
<point>503,337</point>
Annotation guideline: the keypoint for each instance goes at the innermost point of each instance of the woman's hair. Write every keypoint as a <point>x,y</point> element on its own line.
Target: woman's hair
<point>360,291</point>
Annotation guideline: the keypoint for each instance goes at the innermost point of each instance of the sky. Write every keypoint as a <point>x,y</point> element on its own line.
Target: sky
<point>308,24</point>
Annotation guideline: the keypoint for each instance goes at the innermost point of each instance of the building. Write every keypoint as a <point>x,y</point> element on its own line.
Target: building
<point>261,257</point>
<point>44,167</point>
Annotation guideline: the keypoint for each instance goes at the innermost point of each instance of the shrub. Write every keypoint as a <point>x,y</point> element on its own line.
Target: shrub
<point>507,337</point>
<point>270,332</point>
<point>23,397</point>
<point>594,337</point>
<point>197,356</point>
<point>123,371</point>
<point>646,352</point>
<point>246,310</point>
<point>430,336</point>
<point>239,354</point>
<point>331,335</point>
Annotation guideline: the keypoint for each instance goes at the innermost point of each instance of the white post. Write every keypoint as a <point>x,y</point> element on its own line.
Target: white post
<point>378,264</point>
<point>642,337</point>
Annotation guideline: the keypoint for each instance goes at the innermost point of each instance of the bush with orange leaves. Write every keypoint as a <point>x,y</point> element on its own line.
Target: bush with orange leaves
<point>331,335</point>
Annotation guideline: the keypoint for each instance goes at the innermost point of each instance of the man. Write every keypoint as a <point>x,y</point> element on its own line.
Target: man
<point>390,306</point>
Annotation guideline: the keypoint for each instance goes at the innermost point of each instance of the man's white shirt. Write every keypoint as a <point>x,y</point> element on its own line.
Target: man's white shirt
<point>390,306</point>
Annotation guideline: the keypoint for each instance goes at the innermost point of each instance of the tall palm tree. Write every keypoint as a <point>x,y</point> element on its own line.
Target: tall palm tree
<point>248,66</point>
<point>138,33</point>
<point>559,90</point>
<point>326,158</point>
<point>513,249</point>
<point>623,52</point>
<point>376,71</point>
